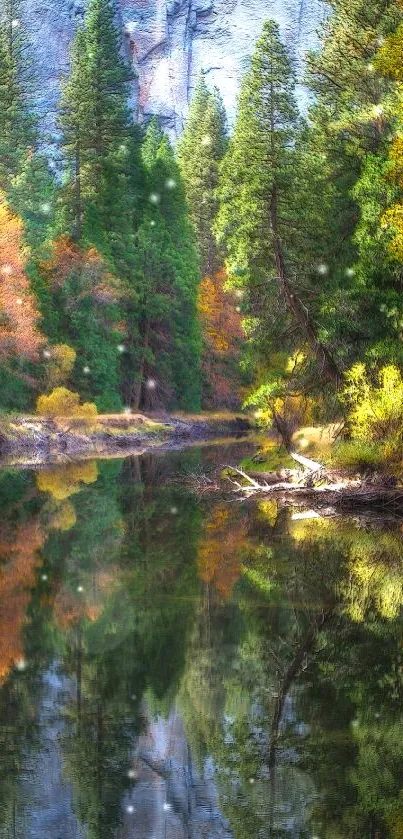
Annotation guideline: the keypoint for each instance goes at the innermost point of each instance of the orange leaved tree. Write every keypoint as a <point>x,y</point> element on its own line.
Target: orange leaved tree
<point>20,335</point>
<point>222,339</point>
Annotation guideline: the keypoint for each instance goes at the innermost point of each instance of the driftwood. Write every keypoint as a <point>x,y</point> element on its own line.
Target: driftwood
<point>333,490</point>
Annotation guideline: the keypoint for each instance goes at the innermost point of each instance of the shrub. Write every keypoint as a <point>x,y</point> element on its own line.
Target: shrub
<point>376,410</point>
<point>67,480</point>
<point>62,402</point>
<point>357,454</point>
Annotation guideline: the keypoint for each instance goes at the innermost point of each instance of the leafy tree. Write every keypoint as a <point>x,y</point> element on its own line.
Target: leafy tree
<point>62,402</point>
<point>21,339</point>
<point>222,336</point>
<point>80,301</point>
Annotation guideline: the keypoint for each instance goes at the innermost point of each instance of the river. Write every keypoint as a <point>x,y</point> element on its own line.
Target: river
<point>176,664</point>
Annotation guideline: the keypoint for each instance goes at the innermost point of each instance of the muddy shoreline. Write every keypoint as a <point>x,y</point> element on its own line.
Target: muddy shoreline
<point>36,440</point>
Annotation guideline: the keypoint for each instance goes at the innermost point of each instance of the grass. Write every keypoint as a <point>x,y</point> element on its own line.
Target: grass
<point>356,454</point>
<point>271,458</point>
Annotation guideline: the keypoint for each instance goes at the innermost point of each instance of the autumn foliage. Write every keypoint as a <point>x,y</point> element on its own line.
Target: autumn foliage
<point>19,559</point>
<point>64,481</point>
<point>68,259</point>
<point>222,338</point>
<point>220,549</point>
<point>19,331</point>
<point>64,403</point>
<point>61,363</point>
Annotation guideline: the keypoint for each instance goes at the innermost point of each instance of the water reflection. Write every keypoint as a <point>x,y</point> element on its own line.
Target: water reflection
<point>174,667</point>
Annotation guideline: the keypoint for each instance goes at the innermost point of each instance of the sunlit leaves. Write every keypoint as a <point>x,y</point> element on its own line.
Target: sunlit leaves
<point>19,316</point>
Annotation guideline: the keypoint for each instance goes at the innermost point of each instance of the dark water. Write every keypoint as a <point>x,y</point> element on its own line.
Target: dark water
<point>178,666</point>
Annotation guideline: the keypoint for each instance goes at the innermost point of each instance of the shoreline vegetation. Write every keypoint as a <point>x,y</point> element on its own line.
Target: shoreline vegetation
<point>323,488</point>
<point>45,439</point>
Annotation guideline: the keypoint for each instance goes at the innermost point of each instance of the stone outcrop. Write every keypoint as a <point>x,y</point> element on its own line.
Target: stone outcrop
<point>169,42</point>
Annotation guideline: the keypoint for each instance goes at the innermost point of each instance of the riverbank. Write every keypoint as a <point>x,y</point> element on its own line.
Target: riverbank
<point>47,439</point>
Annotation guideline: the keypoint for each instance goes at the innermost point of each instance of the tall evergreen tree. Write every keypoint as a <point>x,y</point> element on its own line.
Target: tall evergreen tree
<point>162,362</point>
<point>200,150</point>
<point>349,129</point>
<point>258,215</point>
<point>16,121</point>
<point>101,192</point>
<point>25,177</point>
<point>99,142</point>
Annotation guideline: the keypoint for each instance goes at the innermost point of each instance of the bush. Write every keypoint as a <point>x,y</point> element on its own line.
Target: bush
<point>376,410</point>
<point>62,402</point>
<point>356,454</point>
<point>67,480</point>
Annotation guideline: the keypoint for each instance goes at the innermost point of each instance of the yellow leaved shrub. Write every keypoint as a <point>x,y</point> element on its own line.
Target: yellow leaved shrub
<point>62,402</point>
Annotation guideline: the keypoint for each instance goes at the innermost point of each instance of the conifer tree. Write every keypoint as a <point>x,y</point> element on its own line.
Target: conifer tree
<point>349,128</point>
<point>258,215</point>
<point>99,141</point>
<point>200,150</point>
<point>164,350</point>
<point>24,172</point>
<point>16,121</point>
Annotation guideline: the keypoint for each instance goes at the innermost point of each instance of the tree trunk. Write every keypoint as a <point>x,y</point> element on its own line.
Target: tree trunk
<point>289,678</point>
<point>327,365</point>
<point>77,193</point>
<point>139,386</point>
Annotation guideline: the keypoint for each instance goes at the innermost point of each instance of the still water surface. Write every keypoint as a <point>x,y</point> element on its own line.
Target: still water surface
<point>177,666</point>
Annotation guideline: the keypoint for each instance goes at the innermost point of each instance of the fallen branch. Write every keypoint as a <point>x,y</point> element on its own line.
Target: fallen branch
<point>311,465</point>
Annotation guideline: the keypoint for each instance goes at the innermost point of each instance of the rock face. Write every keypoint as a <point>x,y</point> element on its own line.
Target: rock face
<point>169,42</point>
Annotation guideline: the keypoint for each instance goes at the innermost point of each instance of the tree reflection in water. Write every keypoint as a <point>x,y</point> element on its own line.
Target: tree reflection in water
<point>181,666</point>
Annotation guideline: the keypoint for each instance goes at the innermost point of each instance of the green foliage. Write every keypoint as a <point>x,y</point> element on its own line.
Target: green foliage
<point>358,454</point>
<point>97,136</point>
<point>152,252</point>
<point>200,149</point>
<point>16,121</point>
<point>165,350</point>
<point>260,157</point>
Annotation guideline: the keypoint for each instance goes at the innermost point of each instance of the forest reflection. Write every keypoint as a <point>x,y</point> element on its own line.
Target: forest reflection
<point>172,666</point>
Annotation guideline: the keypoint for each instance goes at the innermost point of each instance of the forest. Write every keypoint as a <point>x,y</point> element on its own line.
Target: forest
<point>259,267</point>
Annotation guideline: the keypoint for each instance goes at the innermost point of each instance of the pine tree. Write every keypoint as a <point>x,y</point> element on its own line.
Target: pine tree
<point>349,127</point>
<point>99,141</point>
<point>200,150</point>
<point>164,348</point>
<point>258,214</point>
<point>25,177</point>
<point>103,188</point>
<point>16,120</point>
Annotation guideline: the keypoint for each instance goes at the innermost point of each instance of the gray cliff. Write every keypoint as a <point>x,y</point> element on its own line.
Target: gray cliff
<point>169,42</point>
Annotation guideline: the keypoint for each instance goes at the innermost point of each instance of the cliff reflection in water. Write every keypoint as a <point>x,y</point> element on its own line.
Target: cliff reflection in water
<point>174,667</point>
